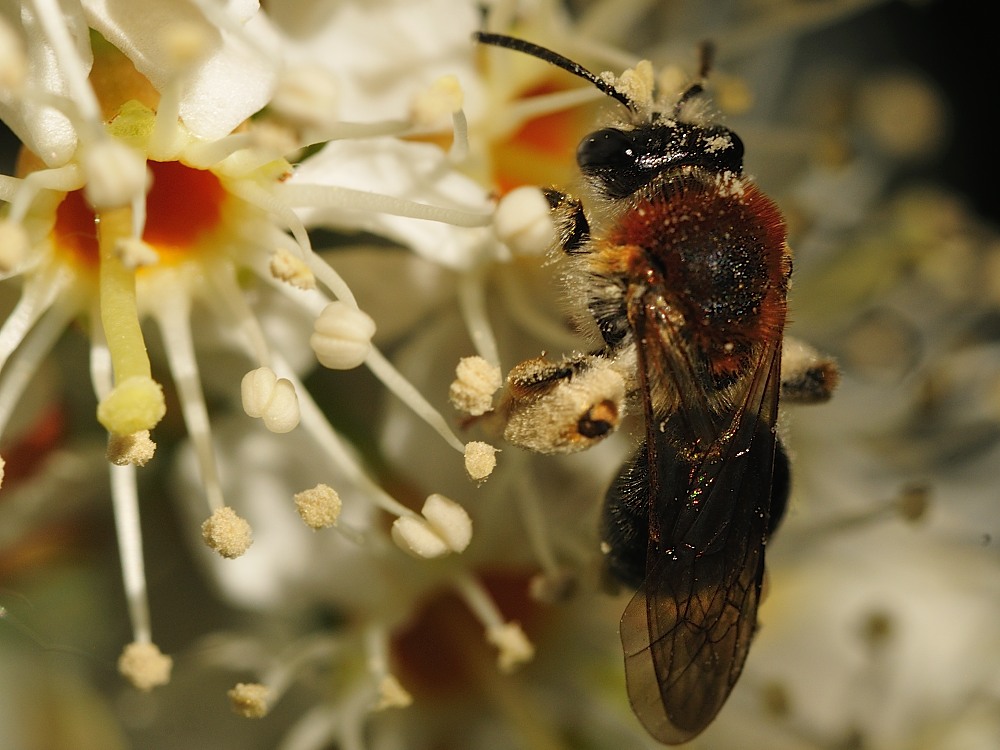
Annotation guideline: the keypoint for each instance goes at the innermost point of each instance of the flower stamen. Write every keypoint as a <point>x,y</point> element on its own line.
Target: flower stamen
<point>349,199</point>
<point>50,16</point>
<point>472,303</point>
<point>508,637</point>
<point>174,323</point>
<point>34,347</point>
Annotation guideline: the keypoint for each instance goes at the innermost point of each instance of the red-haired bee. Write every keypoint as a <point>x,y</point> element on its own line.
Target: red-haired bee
<point>685,267</point>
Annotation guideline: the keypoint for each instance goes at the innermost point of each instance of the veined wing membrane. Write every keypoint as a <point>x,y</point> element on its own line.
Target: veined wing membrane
<point>687,631</point>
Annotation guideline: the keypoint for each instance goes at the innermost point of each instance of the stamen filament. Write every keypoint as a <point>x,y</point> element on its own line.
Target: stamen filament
<point>166,138</point>
<point>24,365</point>
<point>353,130</point>
<point>460,143</point>
<point>138,215</point>
<point>390,377</point>
<point>283,671</point>
<point>377,647</point>
<point>241,315</point>
<point>356,707</point>
<point>36,298</point>
<point>409,395</point>
<point>348,199</point>
<point>209,153</point>
<point>125,500</point>
<point>63,179</point>
<point>478,600</point>
<point>317,425</point>
<point>51,18</point>
<point>314,729</point>
<point>326,275</point>
<point>472,301</point>
<point>174,322</point>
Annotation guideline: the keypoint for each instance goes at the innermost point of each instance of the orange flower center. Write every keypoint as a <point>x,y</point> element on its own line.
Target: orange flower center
<point>543,150</point>
<point>183,206</point>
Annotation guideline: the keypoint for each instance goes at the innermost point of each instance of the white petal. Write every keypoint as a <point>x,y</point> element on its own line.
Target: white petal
<point>43,130</point>
<point>370,46</point>
<point>411,171</point>
<point>232,82</point>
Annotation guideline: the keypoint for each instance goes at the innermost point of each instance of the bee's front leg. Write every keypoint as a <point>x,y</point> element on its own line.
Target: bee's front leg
<point>564,406</point>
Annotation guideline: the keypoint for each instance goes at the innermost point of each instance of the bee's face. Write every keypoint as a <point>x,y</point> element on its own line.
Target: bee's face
<point>620,161</point>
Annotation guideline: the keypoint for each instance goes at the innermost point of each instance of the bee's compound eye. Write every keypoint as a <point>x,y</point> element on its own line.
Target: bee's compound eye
<point>603,149</point>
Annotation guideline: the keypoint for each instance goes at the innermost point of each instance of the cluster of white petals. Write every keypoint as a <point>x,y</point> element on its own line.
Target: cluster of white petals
<point>303,241</point>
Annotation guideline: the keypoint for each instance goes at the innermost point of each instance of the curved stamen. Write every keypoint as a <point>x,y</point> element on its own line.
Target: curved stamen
<point>174,322</point>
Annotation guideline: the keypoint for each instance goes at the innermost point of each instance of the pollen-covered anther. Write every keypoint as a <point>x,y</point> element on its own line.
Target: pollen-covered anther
<point>476,380</point>
<point>136,449</point>
<point>638,83</point>
<point>292,270</point>
<point>13,61</point>
<point>514,647</point>
<point>270,398</point>
<point>342,336</point>
<point>319,506</point>
<point>116,174</point>
<point>134,253</point>
<point>135,404</point>
<point>249,700</point>
<point>227,533</point>
<point>523,221</point>
<point>480,460</point>
<point>391,694</point>
<point>444,528</point>
<point>433,105</point>
<point>145,666</point>
<point>306,96</point>
<point>14,245</point>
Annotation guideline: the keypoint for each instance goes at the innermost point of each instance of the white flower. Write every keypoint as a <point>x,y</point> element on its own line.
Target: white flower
<point>146,194</point>
<point>326,625</point>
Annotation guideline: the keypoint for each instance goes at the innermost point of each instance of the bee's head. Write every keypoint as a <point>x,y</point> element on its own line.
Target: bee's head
<point>619,161</point>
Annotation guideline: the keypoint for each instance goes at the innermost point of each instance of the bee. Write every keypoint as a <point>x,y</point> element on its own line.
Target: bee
<point>684,266</point>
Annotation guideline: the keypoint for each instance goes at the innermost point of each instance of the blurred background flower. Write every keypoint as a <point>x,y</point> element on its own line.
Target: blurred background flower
<point>878,630</point>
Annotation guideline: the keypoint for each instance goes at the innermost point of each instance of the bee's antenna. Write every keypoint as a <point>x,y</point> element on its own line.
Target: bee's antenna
<point>554,58</point>
<point>706,56</point>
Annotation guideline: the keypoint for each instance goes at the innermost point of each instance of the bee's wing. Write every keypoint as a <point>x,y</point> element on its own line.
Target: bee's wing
<point>687,631</point>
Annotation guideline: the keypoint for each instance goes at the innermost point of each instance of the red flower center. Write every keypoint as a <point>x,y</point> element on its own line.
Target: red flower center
<point>183,206</point>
